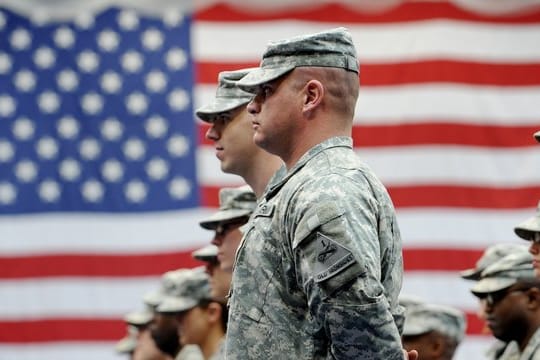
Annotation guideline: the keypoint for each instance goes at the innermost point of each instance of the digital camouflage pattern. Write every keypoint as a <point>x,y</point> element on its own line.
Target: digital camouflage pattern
<point>492,254</point>
<point>234,203</point>
<point>530,228</point>
<point>207,253</point>
<point>228,96</point>
<point>512,352</point>
<point>190,287</point>
<point>318,273</point>
<point>332,48</point>
<point>190,352</point>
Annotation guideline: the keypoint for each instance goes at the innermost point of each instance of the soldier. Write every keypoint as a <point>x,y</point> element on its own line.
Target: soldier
<point>128,343</point>
<point>537,136</point>
<point>232,133</point>
<point>201,319</point>
<point>434,330</point>
<point>319,271</point>
<point>220,280</point>
<point>235,207</point>
<point>512,297</point>
<point>530,230</point>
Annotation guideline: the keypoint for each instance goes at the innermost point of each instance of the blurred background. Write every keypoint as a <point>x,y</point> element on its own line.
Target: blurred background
<point>105,172</point>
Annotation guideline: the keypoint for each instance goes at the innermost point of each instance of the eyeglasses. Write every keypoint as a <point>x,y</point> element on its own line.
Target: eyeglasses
<point>494,298</point>
<point>223,229</point>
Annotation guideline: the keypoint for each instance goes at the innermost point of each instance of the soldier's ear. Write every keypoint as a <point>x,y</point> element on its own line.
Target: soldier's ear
<point>533,297</point>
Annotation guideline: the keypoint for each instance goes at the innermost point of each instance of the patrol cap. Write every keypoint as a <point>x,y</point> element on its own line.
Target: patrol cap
<point>188,293</point>
<point>140,317</point>
<point>234,203</point>
<point>422,317</point>
<point>332,48</point>
<point>490,256</point>
<point>504,273</point>
<point>169,281</point>
<point>127,344</point>
<point>207,253</point>
<point>228,95</point>
<point>537,136</point>
<point>530,228</point>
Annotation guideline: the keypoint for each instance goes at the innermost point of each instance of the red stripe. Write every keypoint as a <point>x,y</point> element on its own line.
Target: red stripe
<point>94,265</point>
<point>446,133</point>
<point>65,330</point>
<point>440,259</point>
<point>339,13</point>
<point>417,72</point>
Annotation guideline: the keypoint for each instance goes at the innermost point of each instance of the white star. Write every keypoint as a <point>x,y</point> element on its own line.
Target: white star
<point>108,40</point>
<point>173,18</point>
<point>152,39</point>
<point>89,149</point>
<point>179,188</point>
<point>135,191</point>
<point>48,102</point>
<point>178,145</point>
<point>8,193</point>
<point>112,170</point>
<point>178,100</point>
<point>6,151</point>
<point>64,37</point>
<point>68,127</point>
<point>92,190</point>
<point>20,39</point>
<point>111,129</point>
<point>44,57</point>
<point>25,170</point>
<point>157,168</point>
<point>155,81</point>
<point>134,149</point>
<point>132,61</point>
<point>128,20</point>
<point>67,80</point>
<point>156,126</point>
<point>23,129</point>
<point>136,103</point>
<point>176,59</point>
<point>25,80</point>
<point>49,190</point>
<point>7,105</point>
<point>92,103</point>
<point>70,169</point>
<point>5,63</point>
<point>111,82</point>
<point>47,148</point>
<point>84,20</point>
<point>88,61</point>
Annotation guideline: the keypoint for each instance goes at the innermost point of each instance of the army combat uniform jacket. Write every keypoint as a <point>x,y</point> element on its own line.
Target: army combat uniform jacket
<point>319,270</point>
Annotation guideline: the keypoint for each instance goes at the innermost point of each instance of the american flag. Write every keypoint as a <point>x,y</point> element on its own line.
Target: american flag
<point>105,172</point>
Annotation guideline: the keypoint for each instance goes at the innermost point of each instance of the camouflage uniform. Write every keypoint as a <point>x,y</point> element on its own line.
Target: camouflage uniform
<point>530,228</point>
<point>319,271</point>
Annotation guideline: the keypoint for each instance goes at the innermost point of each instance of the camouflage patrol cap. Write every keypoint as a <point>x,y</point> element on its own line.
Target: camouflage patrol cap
<point>332,48</point>
<point>127,344</point>
<point>187,293</point>
<point>530,228</point>
<point>207,253</point>
<point>140,317</point>
<point>234,203</point>
<point>228,95</point>
<point>504,273</point>
<point>490,256</point>
<point>169,281</point>
<point>537,136</point>
<point>422,317</point>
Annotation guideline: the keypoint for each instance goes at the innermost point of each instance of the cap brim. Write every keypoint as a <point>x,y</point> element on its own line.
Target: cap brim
<point>209,112</point>
<point>260,76</point>
<point>527,229</point>
<point>153,298</point>
<point>213,221</point>
<point>207,253</point>
<point>489,285</point>
<point>176,304</point>
<point>471,274</point>
<point>414,330</point>
<point>537,136</point>
<point>139,318</point>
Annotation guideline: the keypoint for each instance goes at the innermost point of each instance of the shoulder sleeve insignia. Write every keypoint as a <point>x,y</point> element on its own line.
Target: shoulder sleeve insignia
<point>331,258</point>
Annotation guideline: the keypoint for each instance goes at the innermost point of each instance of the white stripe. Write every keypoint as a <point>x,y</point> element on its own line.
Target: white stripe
<point>77,297</point>
<point>434,103</point>
<point>61,351</point>
<point>103,233</point>
<point>416,165</point>
<point>428,39</point>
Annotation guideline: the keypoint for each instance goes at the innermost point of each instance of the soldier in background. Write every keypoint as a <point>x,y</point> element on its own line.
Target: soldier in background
<point>128,343</point>
<point>435,331</point>
<point>324,240</point>
<point>512,306</point>
<point>530,230</point>
<point>232,133</point>
<point>220,280</point>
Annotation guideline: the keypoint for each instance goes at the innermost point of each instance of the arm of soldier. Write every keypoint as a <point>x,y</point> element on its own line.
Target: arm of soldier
<point>337,254</point>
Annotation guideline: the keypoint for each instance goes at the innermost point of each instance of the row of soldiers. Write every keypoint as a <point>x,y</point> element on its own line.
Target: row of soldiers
<point>187,317</point>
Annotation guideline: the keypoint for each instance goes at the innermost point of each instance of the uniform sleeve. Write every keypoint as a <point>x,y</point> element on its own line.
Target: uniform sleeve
<point>337,255</point>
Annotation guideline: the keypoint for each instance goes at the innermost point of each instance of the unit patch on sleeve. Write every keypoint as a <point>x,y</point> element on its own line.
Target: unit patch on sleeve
<point>331,258</point>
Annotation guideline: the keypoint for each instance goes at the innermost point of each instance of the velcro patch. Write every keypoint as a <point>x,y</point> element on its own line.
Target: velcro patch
<point>332,258</point>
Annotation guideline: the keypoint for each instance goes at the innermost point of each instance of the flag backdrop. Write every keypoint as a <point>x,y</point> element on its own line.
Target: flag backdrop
<point>104,172</point>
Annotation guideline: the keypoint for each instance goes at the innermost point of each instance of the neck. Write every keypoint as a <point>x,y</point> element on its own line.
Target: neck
<point>260,173</point>
<point>211,343</point>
